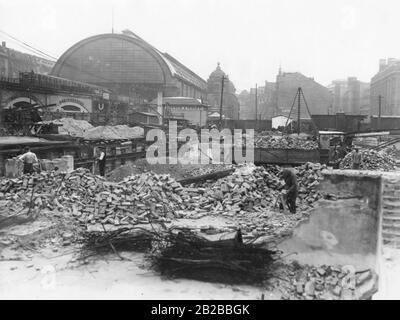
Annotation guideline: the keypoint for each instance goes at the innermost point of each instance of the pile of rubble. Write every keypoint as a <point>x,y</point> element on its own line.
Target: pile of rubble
<point>253,186</point>
<point>393,152</point>
<point>248,196</point>
<point>177,171</point>
<point>71,127</point>
<point>308,177</point>
<point>50,191</point>
<point>371,160</point>
<point>207,169</point>
<point>120,132</point>
<point>325,283</point>
<point>284,142</point>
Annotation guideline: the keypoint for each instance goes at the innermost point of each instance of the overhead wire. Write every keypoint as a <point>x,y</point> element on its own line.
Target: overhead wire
<point>28,46</point>
<point>37,51</point>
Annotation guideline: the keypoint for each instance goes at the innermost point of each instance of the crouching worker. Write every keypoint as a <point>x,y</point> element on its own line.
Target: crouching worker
<point>291,187</point>
<point>29,159</point>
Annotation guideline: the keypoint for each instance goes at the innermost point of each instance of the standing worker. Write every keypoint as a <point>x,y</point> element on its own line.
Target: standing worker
<point>291,189</point>
<point>356,158</point>
<point>28,158</point>
<point>102,162</point>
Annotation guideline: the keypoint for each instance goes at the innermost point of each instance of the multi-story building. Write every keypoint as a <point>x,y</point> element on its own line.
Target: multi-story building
<point>194,111</point>
<point>230,103</point>
<point>338,88</point>
<point>246,110</point>
<point>277,98</point>
<point>265,102</point>
<point>350,96</point>
<point>12,62</point>
<point>385,86</point>
<point>318,97</point>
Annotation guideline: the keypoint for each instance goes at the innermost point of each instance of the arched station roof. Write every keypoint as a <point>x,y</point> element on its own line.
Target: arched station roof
<point>122,59</point>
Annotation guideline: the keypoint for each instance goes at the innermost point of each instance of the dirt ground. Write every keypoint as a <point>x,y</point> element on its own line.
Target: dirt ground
<point>35,265</point>
<point>50,275</point>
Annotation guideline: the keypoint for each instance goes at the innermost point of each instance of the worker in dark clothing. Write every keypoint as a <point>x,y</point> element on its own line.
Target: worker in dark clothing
<point>291,189</point>
<point>29,159</point>
<point>357,158</point>
<point>102,162</point>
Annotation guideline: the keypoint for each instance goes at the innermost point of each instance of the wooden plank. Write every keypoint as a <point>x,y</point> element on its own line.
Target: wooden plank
<point>205,177</point>
<point>285,156</point>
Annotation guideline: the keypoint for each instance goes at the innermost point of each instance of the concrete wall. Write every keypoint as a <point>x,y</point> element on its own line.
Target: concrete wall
<point>344,231</point>
<point>347,184</point>
<point>339,121</point>
<point>387,123</point>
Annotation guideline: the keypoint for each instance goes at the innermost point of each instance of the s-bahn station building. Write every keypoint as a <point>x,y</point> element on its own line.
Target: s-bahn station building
<point>129,66</point>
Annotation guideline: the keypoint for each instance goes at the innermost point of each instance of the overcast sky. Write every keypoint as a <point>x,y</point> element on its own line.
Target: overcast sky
<point>323,39</point>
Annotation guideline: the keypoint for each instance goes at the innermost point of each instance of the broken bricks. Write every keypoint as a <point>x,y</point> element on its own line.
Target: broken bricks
<point>308,282</point>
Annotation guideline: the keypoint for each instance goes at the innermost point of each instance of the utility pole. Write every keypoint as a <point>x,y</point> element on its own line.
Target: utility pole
<point>256,104</point>
<point>379,112</point>
<point>112,20</point>
<point>222,100</point>
<point>298,111</point>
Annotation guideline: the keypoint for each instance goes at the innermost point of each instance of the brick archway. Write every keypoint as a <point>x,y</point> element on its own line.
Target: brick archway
<point>28,99</point>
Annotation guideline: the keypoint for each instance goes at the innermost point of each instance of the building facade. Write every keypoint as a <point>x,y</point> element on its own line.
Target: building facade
<point>182,108</point>
<point>129,66</point>
<point>12,62</point>
<point>230,103</point>
<point>266,108</point>
<point>350,96</point>
<point>276,98</point>
<point>385,86</point>
<point>318,97</point>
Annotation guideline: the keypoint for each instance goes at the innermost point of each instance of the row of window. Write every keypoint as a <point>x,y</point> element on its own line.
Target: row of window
<point>189,91</point>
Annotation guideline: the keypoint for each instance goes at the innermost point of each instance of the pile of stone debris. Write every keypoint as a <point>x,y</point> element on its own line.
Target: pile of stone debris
<point>119,132</point>
<point>177,171</point>
<point>284,142</point>
<point>302,282</point>
<point>393,152</point>
<point>49,191</point>
<point>83,129</point>
<point>371,160</point>
<point>151,197</point>
<point>71,127</point>
<point>253,188</point>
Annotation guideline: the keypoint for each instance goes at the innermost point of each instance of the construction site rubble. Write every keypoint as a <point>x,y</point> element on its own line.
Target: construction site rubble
<point>148,197</point>
<point>371,160</point>
<point>266,140</point>
<point>177,171</point>
<point>49,191</point>
<point>136,211</point>
<point>393,152</point>
<point>303,282</point>
<point>251,186</point>
<point>188,255</point>
<point>83,129</point>
<point>119,132</point>
<point>72,127</point>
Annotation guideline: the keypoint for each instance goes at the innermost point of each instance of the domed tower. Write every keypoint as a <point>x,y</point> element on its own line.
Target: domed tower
<point>230,108</point>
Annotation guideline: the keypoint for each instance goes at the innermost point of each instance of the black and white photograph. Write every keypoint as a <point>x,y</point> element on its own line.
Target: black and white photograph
<point>242,151</point>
